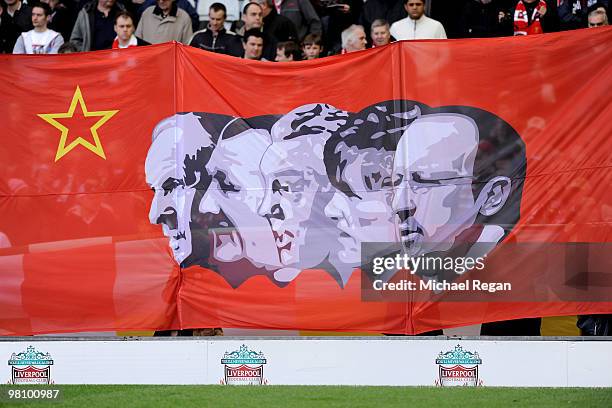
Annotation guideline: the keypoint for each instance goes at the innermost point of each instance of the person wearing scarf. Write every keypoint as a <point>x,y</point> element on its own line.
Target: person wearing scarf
<point>124,27</point>
<point>527,16</point>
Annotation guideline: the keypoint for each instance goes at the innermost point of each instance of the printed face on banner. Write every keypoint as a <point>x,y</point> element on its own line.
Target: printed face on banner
<point>433,172</point>
<point>297,187</point>
<point>172,171</point>
<point>359,161</point>
<point>309,191</point>
<point>365,216</point>
<point>234,196</point>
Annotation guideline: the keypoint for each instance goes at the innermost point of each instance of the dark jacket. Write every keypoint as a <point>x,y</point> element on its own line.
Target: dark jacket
<point>62,21</point>
<point>390,10</point>
<point>82,33</point>
<point>340,21</point>
<point>573,14</point>
<point>12,27</point>
<point>279,27</point>
<point>480,20</point>
<point>226,42</point>
<point>303,16</point>
<point>595,325</point>
<point>269,49</point>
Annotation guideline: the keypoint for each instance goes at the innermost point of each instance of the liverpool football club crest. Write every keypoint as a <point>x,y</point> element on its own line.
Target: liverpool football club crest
<point>31,367</point>
<point>458,367</point>
<point>244,367</point>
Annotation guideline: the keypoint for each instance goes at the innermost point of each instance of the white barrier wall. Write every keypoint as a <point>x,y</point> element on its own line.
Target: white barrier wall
<point>310,361</point>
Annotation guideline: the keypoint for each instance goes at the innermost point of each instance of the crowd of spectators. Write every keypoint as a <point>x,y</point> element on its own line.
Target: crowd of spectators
<point>278,30</point>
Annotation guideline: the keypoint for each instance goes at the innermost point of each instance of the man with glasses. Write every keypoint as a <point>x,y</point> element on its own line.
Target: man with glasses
<point>453,183</point>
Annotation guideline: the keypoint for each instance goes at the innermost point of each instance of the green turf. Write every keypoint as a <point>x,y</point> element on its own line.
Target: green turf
<point>119,396</point>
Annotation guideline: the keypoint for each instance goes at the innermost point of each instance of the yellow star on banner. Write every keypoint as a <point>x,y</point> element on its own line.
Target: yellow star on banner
<point>62,148</point>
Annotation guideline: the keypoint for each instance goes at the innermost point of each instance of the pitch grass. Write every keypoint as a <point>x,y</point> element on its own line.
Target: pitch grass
<point>118,396</point>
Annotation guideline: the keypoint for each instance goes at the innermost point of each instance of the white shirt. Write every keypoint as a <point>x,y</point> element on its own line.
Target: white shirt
<point>422,29</point>
<point>40,40</point>
<point>35,42</point>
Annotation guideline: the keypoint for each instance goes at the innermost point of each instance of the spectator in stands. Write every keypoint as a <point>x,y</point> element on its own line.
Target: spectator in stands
<point>353,39</point>
<point>39,40</point>
<point>380,33</point>
<point>15,18</point>
<point>182,4</point>
<point>303,15</point>
<point>61,18</point>
<point>389,10</point>
<point>215,37</point>
<point>597,5</point>
<point>417,26</point>
<point>572,14</point>
<point>95,25</point>
<point>253,44</point>
<point>312,46</point>
<point>337,16</point>
<point>535,17</point>
<point>288,51</point>
<point>485,18</point>
<point>527,16</point>
<point>279,27</point>
<point>165,22</point>
<point>598,18</point>
<point>252,18</point>
<point>67,48</point>
<point>595,325</point>
<point>124,27</point>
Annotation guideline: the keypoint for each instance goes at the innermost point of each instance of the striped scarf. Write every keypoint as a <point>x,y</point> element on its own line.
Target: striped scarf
<point>521,19</point>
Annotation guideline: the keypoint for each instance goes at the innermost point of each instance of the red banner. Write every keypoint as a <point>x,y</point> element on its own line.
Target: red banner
<point>84,240</point>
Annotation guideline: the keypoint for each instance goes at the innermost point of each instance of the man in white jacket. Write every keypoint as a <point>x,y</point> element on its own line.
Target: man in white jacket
<point>417,26</point>
<point>40,40</point>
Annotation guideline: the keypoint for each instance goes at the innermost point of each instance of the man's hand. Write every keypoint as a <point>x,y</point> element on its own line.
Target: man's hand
<point>345,8</point>
<point>542,10</point>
